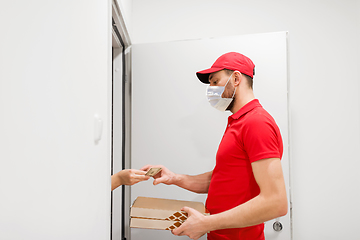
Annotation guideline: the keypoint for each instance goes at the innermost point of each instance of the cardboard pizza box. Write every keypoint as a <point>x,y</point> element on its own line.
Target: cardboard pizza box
<point>159,213</point>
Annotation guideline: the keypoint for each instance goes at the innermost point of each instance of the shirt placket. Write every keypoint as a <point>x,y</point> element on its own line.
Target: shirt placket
<point>230,121</point>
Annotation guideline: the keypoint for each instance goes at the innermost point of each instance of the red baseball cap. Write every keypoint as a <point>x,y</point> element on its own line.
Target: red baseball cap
<point>231,61</point>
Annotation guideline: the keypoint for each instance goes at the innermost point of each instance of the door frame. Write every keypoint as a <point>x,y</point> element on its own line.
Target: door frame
<point>121,120</point>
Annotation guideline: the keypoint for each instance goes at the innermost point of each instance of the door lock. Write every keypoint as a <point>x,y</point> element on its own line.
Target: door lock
<point>277,226</point>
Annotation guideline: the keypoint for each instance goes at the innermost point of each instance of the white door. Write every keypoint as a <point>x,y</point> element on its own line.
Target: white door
<point>55,90</point>
<point>174,125</point>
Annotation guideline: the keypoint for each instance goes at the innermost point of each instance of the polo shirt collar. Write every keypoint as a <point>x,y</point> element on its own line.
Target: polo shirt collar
<point>246,108</point>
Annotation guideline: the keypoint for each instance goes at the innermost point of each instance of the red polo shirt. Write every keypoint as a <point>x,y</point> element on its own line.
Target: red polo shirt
<point>251,135</point>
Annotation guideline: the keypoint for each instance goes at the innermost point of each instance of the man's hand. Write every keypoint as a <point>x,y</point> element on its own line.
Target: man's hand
<point>164,176</point>
<point>194,227</point>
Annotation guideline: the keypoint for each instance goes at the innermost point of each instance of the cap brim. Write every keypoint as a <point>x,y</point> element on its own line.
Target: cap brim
<point>203,75</point>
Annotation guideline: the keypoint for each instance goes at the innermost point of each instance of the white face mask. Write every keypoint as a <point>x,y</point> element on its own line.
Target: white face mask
<point>214,93</point>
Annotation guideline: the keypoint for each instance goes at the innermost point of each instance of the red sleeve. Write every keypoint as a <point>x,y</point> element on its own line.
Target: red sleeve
<point>260,138</point>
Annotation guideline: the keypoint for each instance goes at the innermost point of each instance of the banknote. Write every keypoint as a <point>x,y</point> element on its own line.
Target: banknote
<point>153,171</point>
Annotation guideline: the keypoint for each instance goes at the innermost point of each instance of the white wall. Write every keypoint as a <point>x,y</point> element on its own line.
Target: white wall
<point>324,92</point>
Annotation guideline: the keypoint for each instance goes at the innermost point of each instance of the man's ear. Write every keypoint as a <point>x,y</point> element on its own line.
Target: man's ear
<point>238,78</point>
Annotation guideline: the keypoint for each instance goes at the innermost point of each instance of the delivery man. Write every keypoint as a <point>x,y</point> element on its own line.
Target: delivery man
<point>246,187</point>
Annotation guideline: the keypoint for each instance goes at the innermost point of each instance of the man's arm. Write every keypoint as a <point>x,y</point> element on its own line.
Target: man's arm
<point>198,183</point>
<point>269,204</point>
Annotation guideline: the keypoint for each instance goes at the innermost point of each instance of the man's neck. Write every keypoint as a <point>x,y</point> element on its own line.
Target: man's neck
<point>242,99</point>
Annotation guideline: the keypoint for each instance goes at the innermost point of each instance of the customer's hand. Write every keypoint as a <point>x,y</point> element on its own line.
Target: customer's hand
<point>127,177</point>
<point>164,176</point>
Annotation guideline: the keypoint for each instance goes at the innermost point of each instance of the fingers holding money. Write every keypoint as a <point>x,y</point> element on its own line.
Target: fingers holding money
<point>132,176</point>
<point>161,174</point>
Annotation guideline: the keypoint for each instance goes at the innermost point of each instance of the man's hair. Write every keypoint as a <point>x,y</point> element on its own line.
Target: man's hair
<point>248,78</point>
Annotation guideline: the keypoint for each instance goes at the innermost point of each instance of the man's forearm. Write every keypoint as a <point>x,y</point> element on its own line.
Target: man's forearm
<point>198,183</point>
<point>257,210</point>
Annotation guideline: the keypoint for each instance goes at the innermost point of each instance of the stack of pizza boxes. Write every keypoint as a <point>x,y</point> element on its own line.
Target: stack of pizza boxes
<point>158,213</point>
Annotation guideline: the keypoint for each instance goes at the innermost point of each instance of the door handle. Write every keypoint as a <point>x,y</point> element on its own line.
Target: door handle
<point>277,226</point>
<point>98,125</point>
